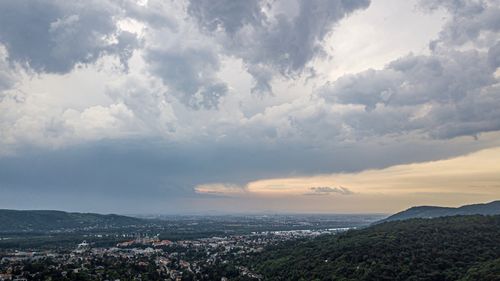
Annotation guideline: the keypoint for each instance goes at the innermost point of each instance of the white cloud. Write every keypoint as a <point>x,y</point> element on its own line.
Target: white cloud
<point>7,75</point>
<point>372,37</point>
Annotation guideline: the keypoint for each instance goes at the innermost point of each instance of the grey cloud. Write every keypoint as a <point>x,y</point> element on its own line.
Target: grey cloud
<point>6,76</point>
<point>290,43</point>
<point>414,80</point>
<point>494,55</point>
<point>54,35</point>
<point>127,43</point>
<point>226,14</point>
<point>326,190</point>
<point>156,13</point>
<point>442,95</point>
<point>6,80</point>
<point>469,19</point>
<point>190,73</point>
<point>367,88</point>
<point>284,39</point>
<point>472,116</point>
<point>148,103</point>
<point>446,94</point>
<point>262,76</point>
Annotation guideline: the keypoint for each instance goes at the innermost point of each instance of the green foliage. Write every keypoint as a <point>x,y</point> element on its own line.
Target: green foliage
<point>447,248</point>
<point>489,270</point>
<point>492,208</point>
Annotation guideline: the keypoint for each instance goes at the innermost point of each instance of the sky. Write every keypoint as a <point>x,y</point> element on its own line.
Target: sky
<point>251,106</point>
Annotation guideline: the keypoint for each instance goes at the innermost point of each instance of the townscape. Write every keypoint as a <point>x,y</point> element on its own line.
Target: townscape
<point>149,258</point>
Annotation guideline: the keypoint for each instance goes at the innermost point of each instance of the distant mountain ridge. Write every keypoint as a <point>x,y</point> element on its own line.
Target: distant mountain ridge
<point>47,220</point>
<point>492,208</point>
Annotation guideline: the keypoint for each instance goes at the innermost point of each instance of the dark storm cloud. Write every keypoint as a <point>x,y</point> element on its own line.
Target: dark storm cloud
<point>285,38</point>
<point>414,80</point>
<point>190,74</point>
<point>444,96</point>
<point>494,55</point>
<point>54,36</point>
<point>155,175</point>
<point>228,15</point>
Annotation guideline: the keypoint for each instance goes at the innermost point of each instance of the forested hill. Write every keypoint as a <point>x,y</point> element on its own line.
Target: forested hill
<point>492,208</point>
<point>14,220</point>
<point>446,248</point>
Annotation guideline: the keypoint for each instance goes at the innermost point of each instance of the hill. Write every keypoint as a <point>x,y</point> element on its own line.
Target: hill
<point>445,248</point>
<point>492,208</point>
<point>34,221</point>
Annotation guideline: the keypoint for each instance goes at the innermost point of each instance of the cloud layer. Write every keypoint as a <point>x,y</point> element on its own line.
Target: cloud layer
<point>158,98</point>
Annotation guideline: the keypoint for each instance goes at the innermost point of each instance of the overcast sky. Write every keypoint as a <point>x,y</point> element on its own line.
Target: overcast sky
<point>153,106</point>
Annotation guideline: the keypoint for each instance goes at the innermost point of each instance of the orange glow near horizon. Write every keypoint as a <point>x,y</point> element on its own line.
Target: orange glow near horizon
<point>466,179</point>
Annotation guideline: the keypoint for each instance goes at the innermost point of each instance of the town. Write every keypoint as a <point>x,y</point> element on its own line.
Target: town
<point>149,258</point>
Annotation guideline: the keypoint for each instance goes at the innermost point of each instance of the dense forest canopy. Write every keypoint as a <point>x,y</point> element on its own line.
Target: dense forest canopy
<point>426,212</point>
<point>447,248</point>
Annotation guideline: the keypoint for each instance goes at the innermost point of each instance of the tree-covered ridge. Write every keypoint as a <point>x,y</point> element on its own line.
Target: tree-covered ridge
<point>447,248</point>
<point>34,220</point>
<point>491,208</point>
<point>489,270</point>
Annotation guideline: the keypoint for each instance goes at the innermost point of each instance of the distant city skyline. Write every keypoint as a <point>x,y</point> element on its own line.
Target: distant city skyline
<point>224,106</point>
